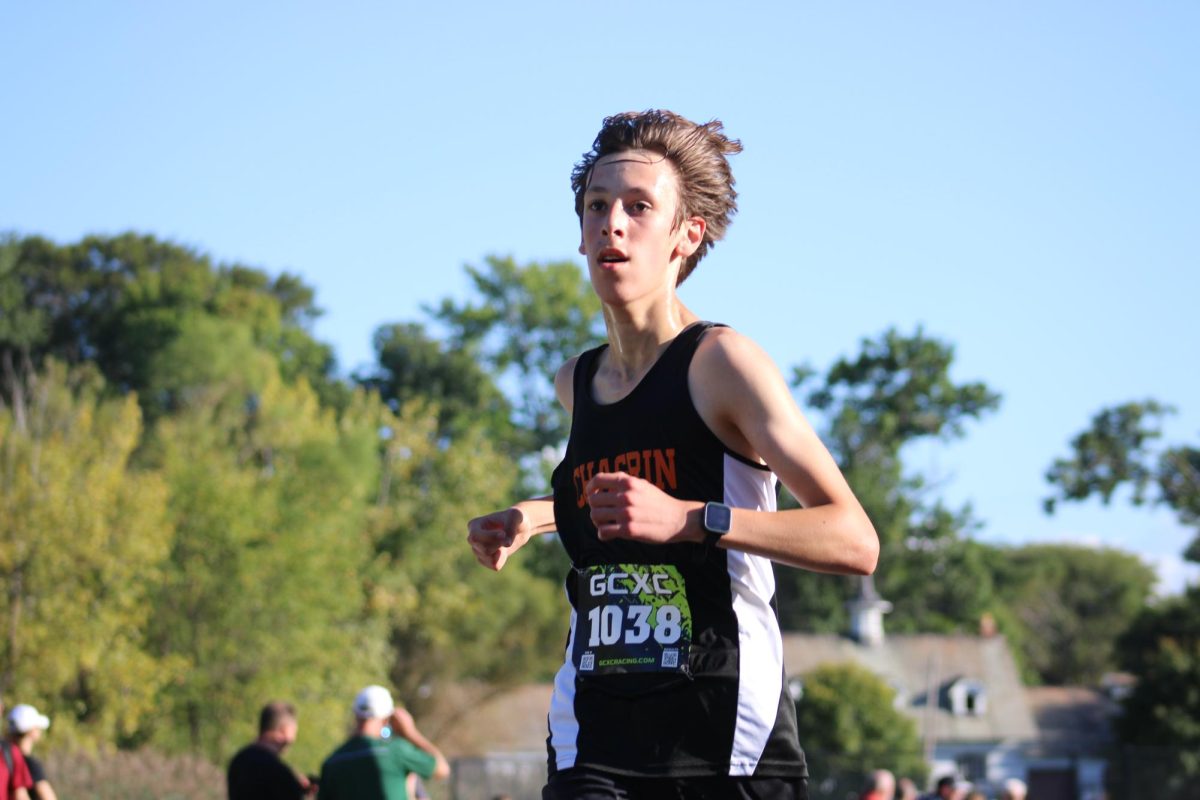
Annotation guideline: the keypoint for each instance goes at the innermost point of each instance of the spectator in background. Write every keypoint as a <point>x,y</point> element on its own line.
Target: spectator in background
<point>906,790</point>
<point>945,789</point>
<point>370,766</point>
<point>257,772</point>
<point>15,780</point>
<point>880,785</point>
<point>1013,789</point>
<point>25,726</point>
<point>975,794</point>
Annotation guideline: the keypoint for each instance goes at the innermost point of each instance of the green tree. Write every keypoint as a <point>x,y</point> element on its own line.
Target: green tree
<point>1064,606</point>
<point>311,536</point>
<point>1161,723</point>
<point>523,323</point>
<point>118,301</point>
<point>1119,450</point>
<point>450,622</point>
<point>83,541</point>
<point>269,495</point>
<point>849,725</point>
<point>526,322</point>
<point>897,391</point>
<point>414,366</point>
<point>1160,726</point>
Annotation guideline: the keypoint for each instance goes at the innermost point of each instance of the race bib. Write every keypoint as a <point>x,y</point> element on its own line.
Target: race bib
<point>631,618</point>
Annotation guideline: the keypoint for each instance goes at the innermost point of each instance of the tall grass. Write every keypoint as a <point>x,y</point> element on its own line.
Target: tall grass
<point>132,775</point>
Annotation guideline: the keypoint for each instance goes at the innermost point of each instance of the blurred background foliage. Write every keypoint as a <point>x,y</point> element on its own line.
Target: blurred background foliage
<point>199,513</point>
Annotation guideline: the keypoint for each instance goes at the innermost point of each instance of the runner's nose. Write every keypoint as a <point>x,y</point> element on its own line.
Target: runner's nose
<point>616,221</point>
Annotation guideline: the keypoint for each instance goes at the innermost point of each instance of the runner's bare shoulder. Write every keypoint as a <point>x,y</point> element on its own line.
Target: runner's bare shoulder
<point>564,383</point>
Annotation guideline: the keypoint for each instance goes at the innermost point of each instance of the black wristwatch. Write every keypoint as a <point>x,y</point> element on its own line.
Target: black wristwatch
<point>716,521</point>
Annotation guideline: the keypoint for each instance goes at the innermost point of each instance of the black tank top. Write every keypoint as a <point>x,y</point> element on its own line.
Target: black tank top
<point>674,661</point>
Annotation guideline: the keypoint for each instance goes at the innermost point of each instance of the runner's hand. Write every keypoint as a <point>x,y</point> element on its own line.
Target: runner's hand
<point>627,507</point>
<point>494,537</point>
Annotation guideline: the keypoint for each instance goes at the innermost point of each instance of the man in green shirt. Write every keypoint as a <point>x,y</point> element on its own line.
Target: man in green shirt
<point>372,766</point>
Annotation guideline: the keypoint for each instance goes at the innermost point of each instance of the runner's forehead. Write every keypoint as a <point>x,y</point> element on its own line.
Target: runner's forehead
<point>629,156</point>
<point>646,162</point>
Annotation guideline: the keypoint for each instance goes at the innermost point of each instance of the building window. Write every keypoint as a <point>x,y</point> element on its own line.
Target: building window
<point>968,698</point>
<point>972,766</point>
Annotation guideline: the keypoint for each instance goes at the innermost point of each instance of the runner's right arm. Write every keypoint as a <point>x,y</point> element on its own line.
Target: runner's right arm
<point>496,536</point>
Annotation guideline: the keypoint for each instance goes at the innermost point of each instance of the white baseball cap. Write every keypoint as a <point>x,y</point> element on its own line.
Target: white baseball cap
<point>373,702</point>
<point>23,719</point>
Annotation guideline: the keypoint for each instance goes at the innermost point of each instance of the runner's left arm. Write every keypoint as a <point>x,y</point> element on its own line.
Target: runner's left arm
<point>744,399</point>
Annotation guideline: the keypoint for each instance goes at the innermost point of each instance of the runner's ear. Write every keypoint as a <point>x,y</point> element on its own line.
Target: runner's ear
<point>691,236</point>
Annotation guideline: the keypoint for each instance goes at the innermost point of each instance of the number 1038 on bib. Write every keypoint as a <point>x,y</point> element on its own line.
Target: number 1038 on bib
<point>611,624</point>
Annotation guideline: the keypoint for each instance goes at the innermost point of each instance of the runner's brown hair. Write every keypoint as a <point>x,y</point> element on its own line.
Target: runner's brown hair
<point>698,154</point>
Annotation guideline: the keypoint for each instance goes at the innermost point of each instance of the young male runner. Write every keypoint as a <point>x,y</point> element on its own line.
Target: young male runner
<point>673,681</point>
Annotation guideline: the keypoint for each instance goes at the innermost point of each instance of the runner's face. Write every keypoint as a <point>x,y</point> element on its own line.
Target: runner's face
<point>629,236</point>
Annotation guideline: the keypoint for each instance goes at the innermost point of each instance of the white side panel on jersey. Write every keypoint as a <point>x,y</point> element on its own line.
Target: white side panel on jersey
<point>760,644</point>
<point>564,726</point>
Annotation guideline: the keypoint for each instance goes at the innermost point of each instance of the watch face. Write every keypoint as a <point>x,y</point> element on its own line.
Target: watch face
<point>717,518</point>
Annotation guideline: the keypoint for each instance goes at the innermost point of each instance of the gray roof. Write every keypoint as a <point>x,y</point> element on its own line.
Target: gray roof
<point>922,668</point>
<point>1072,720</point>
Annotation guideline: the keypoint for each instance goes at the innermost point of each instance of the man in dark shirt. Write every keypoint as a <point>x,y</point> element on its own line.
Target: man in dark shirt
<point>257,772</point>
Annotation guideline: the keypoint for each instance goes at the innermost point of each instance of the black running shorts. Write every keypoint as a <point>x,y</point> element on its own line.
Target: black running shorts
<point>581,783</point>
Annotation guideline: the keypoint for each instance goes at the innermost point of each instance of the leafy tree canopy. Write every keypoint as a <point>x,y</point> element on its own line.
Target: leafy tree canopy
<point>1161,719</point>
<point>1064,606</point>
<point>1119,450</point>
<point>849,725</point>
<point>84,539</point>
<point>414,366</point>
<point>526,321</point>
<point>119,301</point>
<point>896,391</point>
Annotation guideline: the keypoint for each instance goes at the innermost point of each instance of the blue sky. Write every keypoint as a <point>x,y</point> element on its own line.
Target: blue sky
<point>1021,179</point>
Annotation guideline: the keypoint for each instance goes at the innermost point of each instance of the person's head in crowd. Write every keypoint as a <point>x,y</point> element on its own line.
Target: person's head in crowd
<point>946,788</point>
<point>880,785</point>
<point>1013,789</point>
<point>373,708</point>
<point>277,725</point>
<point>26,724</point>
